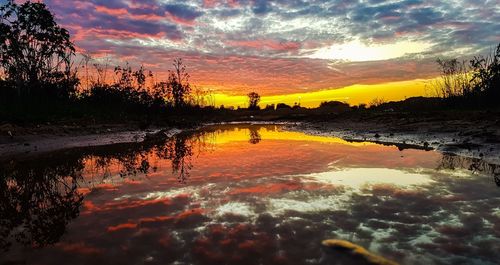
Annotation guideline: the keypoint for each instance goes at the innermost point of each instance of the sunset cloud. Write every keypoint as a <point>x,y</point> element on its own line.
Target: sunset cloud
<point>283,46</point>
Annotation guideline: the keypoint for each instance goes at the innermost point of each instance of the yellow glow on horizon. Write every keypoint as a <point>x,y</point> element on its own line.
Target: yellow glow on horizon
<point>273,133</point>
<point>356,51</point>
<point>354,95</point>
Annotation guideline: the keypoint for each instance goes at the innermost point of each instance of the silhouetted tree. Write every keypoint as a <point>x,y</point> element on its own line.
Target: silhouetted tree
<point>333,104</point>
<point>283,106</point>
<point>476,83</point>
<point>124,76</point>
<point>201,98</point>
<point>454,80</point>
<point>486,76</point>
<point>253,101</point>
<point>34,50</point>
<point>178,83</point>
<point>377,102</point>
<point>336,106</point>
<point>270,107</point>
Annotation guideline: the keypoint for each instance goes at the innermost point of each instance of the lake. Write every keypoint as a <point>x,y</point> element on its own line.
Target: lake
<point>247,194</point>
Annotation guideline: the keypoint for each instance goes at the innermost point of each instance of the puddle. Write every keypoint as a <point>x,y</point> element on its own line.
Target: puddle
<point>247,194</point>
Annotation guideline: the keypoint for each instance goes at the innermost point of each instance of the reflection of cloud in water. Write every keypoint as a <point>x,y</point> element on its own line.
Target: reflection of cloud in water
<point>255,204</point>
<point>235,208</point>
<point>304,204</point>
<point>358,177</point>
<point>192,191</point>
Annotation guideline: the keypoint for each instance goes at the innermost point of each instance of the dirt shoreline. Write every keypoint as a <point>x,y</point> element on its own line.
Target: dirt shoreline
<point>472,136</point>
<point>475,136</point>
<point>16,141</point>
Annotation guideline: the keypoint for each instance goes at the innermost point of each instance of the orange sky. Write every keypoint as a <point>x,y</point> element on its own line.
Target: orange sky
<point>352,51</point>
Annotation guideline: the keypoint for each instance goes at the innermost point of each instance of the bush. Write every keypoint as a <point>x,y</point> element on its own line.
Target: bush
<point>476,84</point>
<point>283,106</point>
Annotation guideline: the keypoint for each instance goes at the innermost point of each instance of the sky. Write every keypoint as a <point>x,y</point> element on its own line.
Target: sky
<point>291,49</point>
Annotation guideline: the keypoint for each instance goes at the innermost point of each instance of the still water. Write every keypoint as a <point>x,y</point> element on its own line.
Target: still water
<point>247,194</point>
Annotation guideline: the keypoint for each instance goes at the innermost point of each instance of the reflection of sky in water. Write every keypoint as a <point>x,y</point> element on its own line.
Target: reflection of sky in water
<point>273,198</point>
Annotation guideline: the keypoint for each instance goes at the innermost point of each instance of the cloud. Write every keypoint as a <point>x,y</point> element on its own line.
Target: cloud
<point>183,11</point>
<point>261,7</point>
<point>272,44</point>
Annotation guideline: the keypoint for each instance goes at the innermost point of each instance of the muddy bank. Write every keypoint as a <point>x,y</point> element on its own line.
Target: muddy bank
<point>26,141</point>
<point>470,134</point>
<point>16,141</point>
<point>475,135</point>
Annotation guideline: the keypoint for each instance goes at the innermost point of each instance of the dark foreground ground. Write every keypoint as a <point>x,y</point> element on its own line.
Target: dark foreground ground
<point>469,133</point>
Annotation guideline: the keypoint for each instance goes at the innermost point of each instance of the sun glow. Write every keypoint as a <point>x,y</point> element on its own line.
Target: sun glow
<point>354,95</point>
<point>357,51</point>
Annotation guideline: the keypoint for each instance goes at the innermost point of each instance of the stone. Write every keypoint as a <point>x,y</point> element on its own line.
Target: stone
<point>345,252</point>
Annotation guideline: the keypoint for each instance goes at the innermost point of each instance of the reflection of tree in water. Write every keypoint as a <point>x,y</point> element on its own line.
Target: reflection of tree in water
<point>36,203</point>
<point>255,137</point>
<point>476,165</point>
<point>179,151</point>
<point>39,197</point>
<point>133,159</point>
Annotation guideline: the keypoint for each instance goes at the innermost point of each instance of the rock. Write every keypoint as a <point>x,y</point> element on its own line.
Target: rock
<point>345,252</point>
<point>6,127</point>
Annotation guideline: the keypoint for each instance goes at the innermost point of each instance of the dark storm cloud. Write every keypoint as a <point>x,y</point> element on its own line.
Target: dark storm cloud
<point>183,11</point>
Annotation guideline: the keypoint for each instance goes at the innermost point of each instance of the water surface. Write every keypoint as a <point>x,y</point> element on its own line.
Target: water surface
<point>247,194</point>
